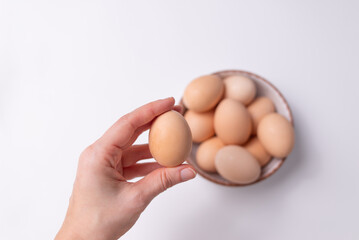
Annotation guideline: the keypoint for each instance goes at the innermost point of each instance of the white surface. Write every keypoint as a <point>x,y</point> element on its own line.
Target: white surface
<point>69,69</point>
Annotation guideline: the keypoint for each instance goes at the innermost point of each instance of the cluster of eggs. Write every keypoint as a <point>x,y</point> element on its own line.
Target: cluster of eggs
<point>237,132</point>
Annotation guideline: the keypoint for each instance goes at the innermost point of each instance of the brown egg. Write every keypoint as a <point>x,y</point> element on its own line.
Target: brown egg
<point>170,139</point>
<point>206,153</point>
<point>255,147</point>
<point>237,165</point>
<point>203,93</point>
<point>232,122</point>
<point>276,134</point>
<point>258,109</point>
<point>239,88</point>
<point>201,125</point>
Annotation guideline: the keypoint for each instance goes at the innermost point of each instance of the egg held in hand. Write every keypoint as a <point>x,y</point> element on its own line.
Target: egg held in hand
<point>170,139</point>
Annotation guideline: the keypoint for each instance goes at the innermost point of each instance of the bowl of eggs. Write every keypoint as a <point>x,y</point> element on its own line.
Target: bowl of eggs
<point>241,127</point>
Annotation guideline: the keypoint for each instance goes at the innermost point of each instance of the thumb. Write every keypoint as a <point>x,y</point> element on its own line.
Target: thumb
<point>160,179</point>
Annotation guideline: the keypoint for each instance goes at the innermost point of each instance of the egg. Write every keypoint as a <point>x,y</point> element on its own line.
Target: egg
<point>276,134</point>
<point>206,153</point>
<point>258,109</point>
<point>201,125</point>
<point>237,165</point>
<point>203,93</point>
<point>170,139</point>
<point>239,88</point>
<point>255,147</point>
<point>232,122</point>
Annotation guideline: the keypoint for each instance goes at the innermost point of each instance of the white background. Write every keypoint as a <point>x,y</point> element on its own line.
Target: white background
<point>69,69</point>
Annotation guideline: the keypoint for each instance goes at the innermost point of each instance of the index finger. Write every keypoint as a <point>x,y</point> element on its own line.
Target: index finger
<point>121,132</point>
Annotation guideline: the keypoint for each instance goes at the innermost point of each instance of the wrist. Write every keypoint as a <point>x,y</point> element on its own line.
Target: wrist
<point>68,234</point>
<point>78,230</point>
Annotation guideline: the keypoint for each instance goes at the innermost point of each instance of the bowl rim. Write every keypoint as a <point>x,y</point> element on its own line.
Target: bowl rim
<point>207,175</point>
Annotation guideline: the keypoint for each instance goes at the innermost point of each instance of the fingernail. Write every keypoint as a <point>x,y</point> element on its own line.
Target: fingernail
<point>187,174</point>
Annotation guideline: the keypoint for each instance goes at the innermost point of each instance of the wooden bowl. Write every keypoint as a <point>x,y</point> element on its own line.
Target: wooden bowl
<point>264,88</point>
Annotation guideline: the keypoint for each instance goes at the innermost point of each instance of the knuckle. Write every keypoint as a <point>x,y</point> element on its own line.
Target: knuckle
<point>151,112</point>
<point>89,151</point>
<point>127,120</point>
<point>165,180</point>
<point>90,154</point>
<point>124,118</point>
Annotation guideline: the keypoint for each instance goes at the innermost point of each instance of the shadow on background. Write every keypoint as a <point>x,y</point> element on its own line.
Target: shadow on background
<point>233,211</point>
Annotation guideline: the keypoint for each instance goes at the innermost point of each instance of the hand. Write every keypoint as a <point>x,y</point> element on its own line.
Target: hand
<point>103,205</point>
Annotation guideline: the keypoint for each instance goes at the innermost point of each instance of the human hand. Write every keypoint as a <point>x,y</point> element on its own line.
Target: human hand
<point>103,205</point>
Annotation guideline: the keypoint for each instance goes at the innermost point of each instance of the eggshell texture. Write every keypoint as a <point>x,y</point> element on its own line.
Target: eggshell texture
<point>239,88</point>
<point>255,147</point>
<point>276,134</point>
<point>258,109</point>
<point>206,153</point>
<point>201,125</point>
<point>232,122</point>
<point>237,165</point>
<point>203,93</point>
<point>170,139</point>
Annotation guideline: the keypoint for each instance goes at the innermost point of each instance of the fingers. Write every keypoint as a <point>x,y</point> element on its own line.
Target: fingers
<point>135,153</point>
<point>136,134</point>
<point>140,169</point>
<point>122,131</point>
<point>161,179</point>
<point>178,108</point>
